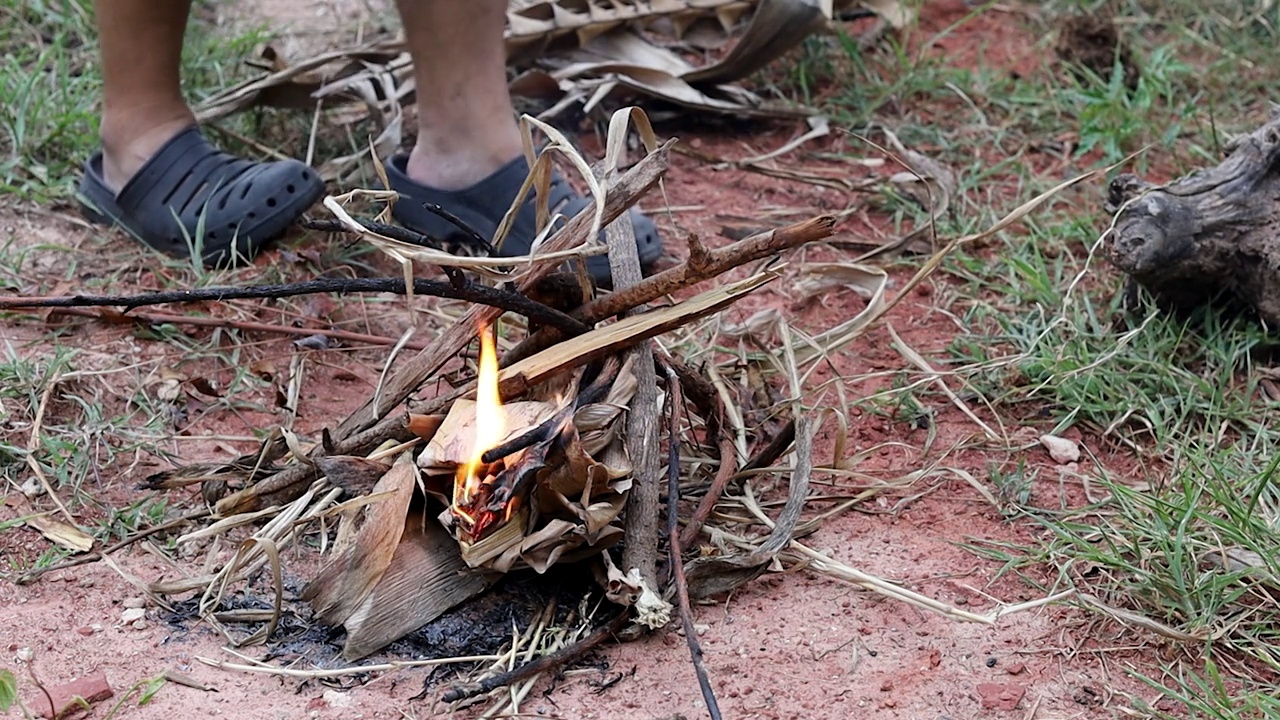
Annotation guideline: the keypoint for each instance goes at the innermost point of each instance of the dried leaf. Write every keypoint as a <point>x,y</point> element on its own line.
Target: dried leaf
<point>205,386</point>
<point>426,577</point>
<point>169,385</point>
<point>1236,559</point>
<point>356,475</point>
<point>56,531</point>
<point>451,444</point>
<point>341,586</point>
<point>894,12</point>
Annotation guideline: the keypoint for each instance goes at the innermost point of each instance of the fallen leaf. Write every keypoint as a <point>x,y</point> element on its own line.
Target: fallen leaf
<point>61,533</point>
<point>169,385</point>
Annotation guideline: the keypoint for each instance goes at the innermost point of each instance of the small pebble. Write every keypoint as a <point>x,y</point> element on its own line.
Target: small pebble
<point>991,662</point>
<point>134,602</point>
<point>132,615</point>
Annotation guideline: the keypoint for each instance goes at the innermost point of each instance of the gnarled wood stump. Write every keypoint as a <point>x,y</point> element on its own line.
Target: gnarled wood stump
<point>1214,234</point>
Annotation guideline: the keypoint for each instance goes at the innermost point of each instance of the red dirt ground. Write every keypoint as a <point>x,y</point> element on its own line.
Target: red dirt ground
<point>790,645</point>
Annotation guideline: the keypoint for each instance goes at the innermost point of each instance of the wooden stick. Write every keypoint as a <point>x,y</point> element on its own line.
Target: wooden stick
<point>155,318</point>
<point>673,537</point>
<point>467,290</point>
<point>703,264</point>
<point>618,198</point>
<point>776,447</point>
<point>728,468</point>
<point>640,525</point>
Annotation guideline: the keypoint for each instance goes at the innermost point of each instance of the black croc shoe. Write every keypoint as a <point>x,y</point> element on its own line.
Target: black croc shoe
<point>190,186</point>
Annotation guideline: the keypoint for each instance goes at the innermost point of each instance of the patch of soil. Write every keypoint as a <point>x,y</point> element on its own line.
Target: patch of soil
<point>789,645</point>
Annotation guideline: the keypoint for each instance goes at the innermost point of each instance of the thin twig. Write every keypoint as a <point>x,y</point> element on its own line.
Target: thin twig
<point>673,535</point>
<point>155,318</point>
<point>261,667</point>
<point>467,290</point>
<point>564,655</point>
<point>724,473</point>
<point>544,430</point>
<point>774,450</point>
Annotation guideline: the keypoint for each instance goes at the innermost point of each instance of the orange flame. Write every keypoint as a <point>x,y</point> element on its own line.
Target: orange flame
<point>490,423</point>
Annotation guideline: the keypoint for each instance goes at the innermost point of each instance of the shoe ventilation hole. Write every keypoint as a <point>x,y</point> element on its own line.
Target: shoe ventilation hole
<point>289,188</point>
<point>271,202</point>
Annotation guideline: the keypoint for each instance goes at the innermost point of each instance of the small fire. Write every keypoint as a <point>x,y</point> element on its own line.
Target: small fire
<point>490,424</point>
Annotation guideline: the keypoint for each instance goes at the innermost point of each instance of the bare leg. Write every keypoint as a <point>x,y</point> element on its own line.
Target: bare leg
<point>142,105</point>
<point>466,124</point>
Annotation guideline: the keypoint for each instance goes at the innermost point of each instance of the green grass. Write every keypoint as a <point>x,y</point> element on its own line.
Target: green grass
<point>50,85</point>
<point>1181,397</point>
<point>78,438</point>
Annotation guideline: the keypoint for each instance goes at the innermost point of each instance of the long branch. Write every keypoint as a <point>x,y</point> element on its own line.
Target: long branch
<point>474,292</point>
<point>703,264</point>
<point>155,318</point>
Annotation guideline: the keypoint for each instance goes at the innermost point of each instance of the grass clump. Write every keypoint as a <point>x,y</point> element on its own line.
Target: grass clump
<point>1187,533</point>
<point>51,84</point>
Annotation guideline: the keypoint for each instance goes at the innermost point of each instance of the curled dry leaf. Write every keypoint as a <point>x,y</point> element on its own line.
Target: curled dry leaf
<point>1062,450</point>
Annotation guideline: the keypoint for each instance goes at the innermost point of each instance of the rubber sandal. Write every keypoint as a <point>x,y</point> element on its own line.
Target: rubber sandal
<point>482,206</point>
<point>189,186</point>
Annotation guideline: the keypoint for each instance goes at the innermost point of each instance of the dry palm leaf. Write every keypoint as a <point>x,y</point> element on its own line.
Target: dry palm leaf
<point>583,52</point>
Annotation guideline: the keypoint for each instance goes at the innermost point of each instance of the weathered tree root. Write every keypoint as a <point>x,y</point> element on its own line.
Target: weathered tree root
<point>1212,235</point>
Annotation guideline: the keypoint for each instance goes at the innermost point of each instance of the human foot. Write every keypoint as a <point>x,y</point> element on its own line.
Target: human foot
<point>190,198</point>
<point>130,140</point>
<point>483,202</point>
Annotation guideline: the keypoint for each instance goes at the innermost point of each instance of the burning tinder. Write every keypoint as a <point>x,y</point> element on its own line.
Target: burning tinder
<point>490,423</point>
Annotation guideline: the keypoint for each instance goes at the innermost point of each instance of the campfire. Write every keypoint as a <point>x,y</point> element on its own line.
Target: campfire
<point>547,451</point>
<point>519,480</point>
